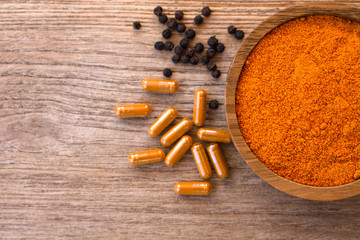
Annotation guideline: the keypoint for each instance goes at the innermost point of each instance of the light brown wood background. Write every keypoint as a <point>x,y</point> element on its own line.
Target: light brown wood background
<point>64,173</point>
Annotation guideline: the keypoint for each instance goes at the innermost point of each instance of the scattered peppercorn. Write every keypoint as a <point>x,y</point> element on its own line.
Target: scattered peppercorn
<point>205,59</point>
<point>169,46</point>
<point>199,47</point>
<point>184,43</point>
<point>188,55</point>
<point>198,20</point>
<point>220,47</point>
<point>184,59</point>
<point>172,23</point>
<point>163,18</point>
<point>159,45</point>
<point>178,50</point>
<point>213,104</point>
<point>232,29</point>
<point>212,41</point>
<point>194,60</point>
<point>180,28</point>
<point>166,33</point>
<point>206,11</point>
<point>175,58</point>
<point>190,52</point>
<point>136,25</point>
<point>190,34</point>
<point>158,11</point>
<point>215,73</point>
<point>211,66</point>
<point>179,14</point>
<point>211,52</point>
<point>167,72</point>
<point>239,34</point>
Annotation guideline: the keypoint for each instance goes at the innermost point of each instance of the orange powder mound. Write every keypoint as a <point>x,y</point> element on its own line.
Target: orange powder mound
<point>298,100</point>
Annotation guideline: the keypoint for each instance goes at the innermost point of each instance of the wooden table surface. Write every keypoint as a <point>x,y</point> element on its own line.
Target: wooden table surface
<point>64,172</point>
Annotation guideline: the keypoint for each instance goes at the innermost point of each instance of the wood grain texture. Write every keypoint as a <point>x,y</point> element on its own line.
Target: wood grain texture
<point>64,173</point>
<point>290,187</point>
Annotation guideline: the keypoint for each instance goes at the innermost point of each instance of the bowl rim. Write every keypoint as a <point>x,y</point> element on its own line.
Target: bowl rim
<point>290,187</point>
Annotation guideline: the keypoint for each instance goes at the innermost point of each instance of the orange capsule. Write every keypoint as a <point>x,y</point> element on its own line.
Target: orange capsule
<point>218,160</point>
<point>145,157</point>
<point>193,188</point>
<point>199,110</point>
<point>156,85</point>
<point>178,151</point>
<point>132,110</point>
<point>214,135</point>
<point>176,132</point>
<point>162,122</point>
<point>201,160</point>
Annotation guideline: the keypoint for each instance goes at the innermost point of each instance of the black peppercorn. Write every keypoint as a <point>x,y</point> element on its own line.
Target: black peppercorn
<point>184,59</point>
<point>215,73</point>
<point>206,11</point>
<point>239,34</point>
<point>159,45</point>
<point>211,52</point>
<point>232,29</point>
<point>190,34</point>
<point>213,104</point>
<point>199,47</point>
<point>184,43</point>
<point>179,14</point>
<point>180,28</point>
<point>175,58</point>
<point>167,72</point>
<point>212,41</point>
<point>169,46</point>
<point>163,18</point>
<point>166,33</point>
<point>136,25</point>
<point>158,11</point>
<point>198,20</point>
<point>220,47</point>
<point>189,52</point>
<point>172,23</point>
<point>211,66</point>
<point>178,50</point>
<point>194,60</point>
<point>205,59</point>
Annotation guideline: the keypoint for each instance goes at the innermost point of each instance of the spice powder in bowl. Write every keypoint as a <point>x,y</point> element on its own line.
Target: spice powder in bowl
<point>298,100</point>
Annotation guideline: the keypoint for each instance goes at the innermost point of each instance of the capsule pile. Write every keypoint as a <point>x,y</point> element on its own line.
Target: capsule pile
<point>176,136</point>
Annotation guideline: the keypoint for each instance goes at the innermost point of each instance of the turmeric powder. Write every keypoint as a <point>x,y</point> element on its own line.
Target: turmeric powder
<point>298,100</point>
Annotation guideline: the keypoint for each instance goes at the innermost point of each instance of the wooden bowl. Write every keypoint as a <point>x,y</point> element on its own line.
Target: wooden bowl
<point>285,185</point>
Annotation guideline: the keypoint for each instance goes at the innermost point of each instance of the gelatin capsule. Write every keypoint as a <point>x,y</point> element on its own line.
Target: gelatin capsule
<point>176,132</point>
<point>132,110</point>
<point>178,151</point>
<point>193,188</point>
<point>156,85</point>
<point>162,122</point>
<point>201,160</point>
<point>218,160</point>
<point>214,135</point>
<point>145,157</point>
<point>199,110</point>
